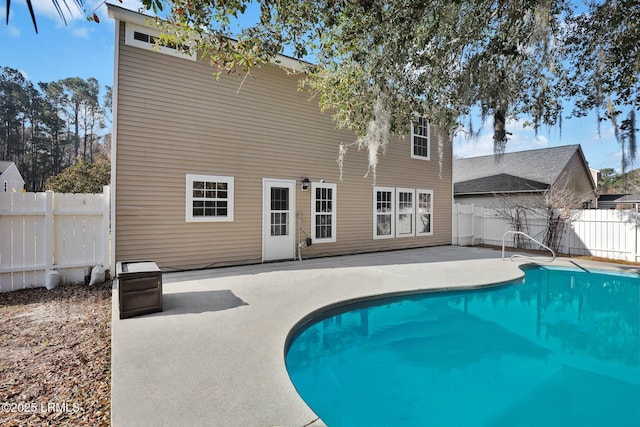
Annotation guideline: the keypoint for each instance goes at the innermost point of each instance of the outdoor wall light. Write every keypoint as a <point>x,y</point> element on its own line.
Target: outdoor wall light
<point>305,184</point>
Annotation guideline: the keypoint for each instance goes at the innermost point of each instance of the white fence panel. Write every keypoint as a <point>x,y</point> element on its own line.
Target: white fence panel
<point>40,231</point>
<point>22,233</point>
<point>604,233</point>
<point>493,228</point>
<point>467,224</point>
<point>463,224</point>
<point>613,234</point>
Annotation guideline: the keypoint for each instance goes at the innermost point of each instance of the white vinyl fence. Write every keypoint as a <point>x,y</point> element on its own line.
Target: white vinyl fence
<point>606,233</point>
<point>43,231</point>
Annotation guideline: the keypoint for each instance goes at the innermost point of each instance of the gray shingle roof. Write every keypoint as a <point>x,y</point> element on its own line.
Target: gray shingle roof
<point>500,183</point>
<point>542,166</point>
<point>619,198</point>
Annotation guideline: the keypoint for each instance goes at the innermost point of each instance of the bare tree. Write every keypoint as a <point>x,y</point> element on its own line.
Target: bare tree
<point>561,203</point>
<point>514,212</point>
<point>556,209</point>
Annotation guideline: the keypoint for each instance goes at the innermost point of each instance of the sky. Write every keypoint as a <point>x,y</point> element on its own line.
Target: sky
<point>85,49</point>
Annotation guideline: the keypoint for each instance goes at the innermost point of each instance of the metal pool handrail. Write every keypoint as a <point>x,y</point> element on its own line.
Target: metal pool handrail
<point>541,259</point>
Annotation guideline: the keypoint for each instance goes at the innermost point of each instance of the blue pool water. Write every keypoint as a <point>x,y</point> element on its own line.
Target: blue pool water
<point>560,349</point>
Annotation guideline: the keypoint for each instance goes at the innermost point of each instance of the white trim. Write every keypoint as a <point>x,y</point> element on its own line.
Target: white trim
<point>417,209</point>
<point>122,14</point>
<point>411,191</point>
<point>334,197</point>
<point>129,40</point>
<point>114,144</point>
<point>391,190</point>
<point>190,178</point>
<point>428,137</point>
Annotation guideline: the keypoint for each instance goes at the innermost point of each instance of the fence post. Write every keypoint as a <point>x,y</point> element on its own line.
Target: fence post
<point>479,213</point>
<point>106,219</point>
<point>455,229</point>
<point>473,224</point>
<point>49,241</point>
<point>636,255</point>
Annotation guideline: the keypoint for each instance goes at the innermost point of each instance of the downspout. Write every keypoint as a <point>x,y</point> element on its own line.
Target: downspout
<point>114,143</point>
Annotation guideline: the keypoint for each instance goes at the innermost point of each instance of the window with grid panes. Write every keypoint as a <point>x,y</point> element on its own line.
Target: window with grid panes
<point>424,214</point>
<point>279,211</point>
<point>383,211</point>
<point>209,198</point>
<point>405,212</point>
<point>420,139</point>
<point>323,212</point>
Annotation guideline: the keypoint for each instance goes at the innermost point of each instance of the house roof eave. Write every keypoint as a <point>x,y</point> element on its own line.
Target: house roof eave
<point>495,193</point>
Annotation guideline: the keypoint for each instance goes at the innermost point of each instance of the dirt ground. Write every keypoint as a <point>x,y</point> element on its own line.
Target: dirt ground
<point>55,356</point>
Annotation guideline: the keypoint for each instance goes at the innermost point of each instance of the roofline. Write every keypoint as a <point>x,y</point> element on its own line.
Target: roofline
<point>518,152</point>
<point>477,193</point>
<point>508,175</point>
<point>14,166</point>
<point>127,15</point>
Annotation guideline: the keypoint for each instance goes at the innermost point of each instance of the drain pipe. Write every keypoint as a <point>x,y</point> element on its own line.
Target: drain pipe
<point>298,246</point>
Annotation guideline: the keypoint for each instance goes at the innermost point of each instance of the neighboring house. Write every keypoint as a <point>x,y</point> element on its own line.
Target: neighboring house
<point>523,178</point>
<point>595,175</point>
<point>10,178</point>
<point>619,201</point>
<point>211,173</point>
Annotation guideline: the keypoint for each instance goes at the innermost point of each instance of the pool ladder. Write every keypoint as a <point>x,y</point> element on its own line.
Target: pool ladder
<point>514,256</point>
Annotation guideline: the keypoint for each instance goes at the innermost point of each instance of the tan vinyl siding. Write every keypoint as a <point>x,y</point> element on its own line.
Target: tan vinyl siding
<point>579,179</point>
<point>174,118</point>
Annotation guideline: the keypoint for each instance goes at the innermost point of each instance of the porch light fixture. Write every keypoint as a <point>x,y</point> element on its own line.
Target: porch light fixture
<point>305,184</point>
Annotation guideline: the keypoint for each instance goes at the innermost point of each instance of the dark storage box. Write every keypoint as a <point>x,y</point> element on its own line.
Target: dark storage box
<point>139,288</point>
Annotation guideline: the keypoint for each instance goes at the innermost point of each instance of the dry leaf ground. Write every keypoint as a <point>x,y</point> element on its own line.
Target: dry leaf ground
<point>55,356</point>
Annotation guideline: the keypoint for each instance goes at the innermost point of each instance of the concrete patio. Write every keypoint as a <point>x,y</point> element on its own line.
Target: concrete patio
<point>215,355</point>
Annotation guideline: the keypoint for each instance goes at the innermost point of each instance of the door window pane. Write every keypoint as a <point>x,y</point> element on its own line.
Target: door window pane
<point>279,224</point>
<point>279,211</point>
<point>279,199</point>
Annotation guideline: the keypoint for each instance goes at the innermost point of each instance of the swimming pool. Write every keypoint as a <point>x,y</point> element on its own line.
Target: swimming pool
<point>560,349</point>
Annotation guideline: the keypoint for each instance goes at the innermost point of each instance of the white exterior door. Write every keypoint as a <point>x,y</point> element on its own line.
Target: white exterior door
<point>278,219</point>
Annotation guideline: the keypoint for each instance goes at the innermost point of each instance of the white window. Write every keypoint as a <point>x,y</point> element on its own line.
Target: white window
<point>323,212</point>
<point>420,139</point>
<point>383,211</point>
<point>145,38</point>
<point>424,217</point>
<point>209,198</point>
<point>405,212</point>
